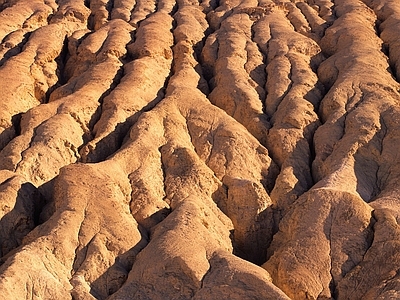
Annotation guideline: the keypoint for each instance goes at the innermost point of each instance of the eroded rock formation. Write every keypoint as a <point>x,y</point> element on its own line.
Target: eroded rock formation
<point>232,149</point>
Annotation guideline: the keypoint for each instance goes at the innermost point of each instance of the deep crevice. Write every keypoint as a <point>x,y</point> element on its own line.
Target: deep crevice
<point>261,90</point>
<point>96,116</point>
<point>14,50</point>
<point>16,123</point>
<point>109,8</point>
<point>61,61</point>
<point>86,3</point>
<point>385,49</point>
<point>332,283</point>
<point>207,71</point>
<point>90,22</point>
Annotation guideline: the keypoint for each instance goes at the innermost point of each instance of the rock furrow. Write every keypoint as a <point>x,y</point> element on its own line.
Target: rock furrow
<point>120,110</point>
<point>348,119</point>
<point>243,149</point>
<point>39,70</point>
<point>388,16</point>
<point>241,100</point>
<point>293,96</point>
<point>63,125</point>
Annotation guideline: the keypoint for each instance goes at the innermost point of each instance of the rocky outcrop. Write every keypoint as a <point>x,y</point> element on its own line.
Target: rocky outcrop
<point>215,149</point>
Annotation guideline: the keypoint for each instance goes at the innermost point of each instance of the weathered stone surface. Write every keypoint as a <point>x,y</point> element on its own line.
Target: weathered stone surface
<point>199,150</point>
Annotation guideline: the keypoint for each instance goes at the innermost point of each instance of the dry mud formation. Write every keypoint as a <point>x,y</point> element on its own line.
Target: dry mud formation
<point>231,149</point>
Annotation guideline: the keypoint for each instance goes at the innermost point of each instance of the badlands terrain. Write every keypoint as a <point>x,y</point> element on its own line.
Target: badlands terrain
<point>184,149</point>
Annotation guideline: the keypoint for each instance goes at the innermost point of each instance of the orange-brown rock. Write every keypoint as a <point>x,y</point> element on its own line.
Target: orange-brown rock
<point>199,149</point>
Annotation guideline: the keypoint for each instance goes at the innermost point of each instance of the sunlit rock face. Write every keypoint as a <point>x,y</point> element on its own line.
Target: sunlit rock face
<point>232,149</point>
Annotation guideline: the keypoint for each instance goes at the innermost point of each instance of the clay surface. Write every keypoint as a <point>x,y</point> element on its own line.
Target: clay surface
<point>180,149</point>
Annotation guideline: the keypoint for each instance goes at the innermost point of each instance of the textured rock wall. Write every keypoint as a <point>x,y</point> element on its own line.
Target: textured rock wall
<point>231,149</point>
